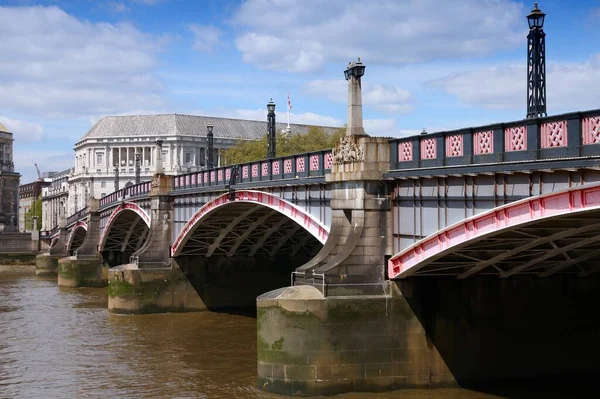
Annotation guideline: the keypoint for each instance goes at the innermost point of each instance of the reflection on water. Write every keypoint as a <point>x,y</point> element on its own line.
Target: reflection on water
<point>63,343</point>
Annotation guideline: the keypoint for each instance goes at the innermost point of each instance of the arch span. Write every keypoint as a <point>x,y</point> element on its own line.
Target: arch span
<point>76,237</point>
<point>126,229</point>
<point>542,235</point>
<point>276,205</point>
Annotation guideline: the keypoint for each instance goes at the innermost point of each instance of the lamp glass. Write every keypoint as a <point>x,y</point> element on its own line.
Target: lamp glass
<point>271,106</point>
<point>209,128</point>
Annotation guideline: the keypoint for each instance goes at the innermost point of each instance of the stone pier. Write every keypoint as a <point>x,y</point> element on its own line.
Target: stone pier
<point>154,284</point>
<point>85,267</point>
<point>46,263</point>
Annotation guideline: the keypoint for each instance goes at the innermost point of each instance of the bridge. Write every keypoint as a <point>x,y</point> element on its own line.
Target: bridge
<point>431,260</point>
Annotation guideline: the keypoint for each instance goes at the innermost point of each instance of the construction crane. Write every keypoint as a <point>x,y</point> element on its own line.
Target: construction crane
<point>38,171</point>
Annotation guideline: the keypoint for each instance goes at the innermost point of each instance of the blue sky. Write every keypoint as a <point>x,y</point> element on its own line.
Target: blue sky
<point>431,64</point>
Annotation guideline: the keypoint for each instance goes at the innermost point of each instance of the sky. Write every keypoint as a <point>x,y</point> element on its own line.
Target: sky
<point>430,64</point>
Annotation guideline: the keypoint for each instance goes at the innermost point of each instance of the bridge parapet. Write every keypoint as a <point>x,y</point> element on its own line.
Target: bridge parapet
<point>569,135</point>
<point>131,192</point>
<point>77,216</point>
<point>311,164</point>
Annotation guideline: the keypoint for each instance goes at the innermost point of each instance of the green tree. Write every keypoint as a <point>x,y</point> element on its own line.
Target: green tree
<point>315,140</point>
<point>35,210</point>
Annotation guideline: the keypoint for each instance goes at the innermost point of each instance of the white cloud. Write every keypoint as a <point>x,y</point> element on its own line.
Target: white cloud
<point>205,37</point>
<point>301,35</point>
<point>385,98</point>
<point>54,64</point>
<point>117,7</point>
<point>570,86</point>
<point>23,130</point>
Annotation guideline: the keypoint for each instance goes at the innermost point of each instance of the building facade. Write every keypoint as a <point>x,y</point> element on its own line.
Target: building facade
<point>28,194</point>
<point>109,149</point>
<point>54,199</point>
<point>9,183</point>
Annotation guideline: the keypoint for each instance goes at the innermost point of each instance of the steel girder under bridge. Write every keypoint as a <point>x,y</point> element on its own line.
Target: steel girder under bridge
<point>542,235</point>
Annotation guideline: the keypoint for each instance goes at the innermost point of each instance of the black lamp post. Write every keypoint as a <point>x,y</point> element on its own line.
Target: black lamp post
<point>116,176</point>
<point>138,169</point>
<point>536,64</point>
<point>356,70</point>
<point>271,138</point>
<point>210,150</point>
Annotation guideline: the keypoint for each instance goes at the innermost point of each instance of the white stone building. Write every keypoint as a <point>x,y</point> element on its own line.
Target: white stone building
<point>115,140</point>
<point>54,199</point>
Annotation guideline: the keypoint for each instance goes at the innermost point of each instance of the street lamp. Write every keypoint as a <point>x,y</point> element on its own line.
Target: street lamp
<point>271,138</point>
<point>536,64</point>
<point>210,150</point>
<point>116,176</point>
<point>138,169</point>
<point>353,74</point>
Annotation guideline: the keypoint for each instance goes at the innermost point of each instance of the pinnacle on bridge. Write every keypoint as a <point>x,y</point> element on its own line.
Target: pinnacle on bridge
<point>353,75</point>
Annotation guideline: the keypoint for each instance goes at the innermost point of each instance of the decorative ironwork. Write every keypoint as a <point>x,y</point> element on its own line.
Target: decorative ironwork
<point>554,134</point>
<point>454,146</point>
<point>515,138</point>
<point>405,152</point>
<point>314,162</point>
<point>483,143</point>
<point>591,130</point>
<point>428,149</point>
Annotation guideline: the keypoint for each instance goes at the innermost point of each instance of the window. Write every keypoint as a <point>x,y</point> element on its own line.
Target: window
<point>164,157</point>
<point>102,184</point>
<point>100,159</point>
<point>188,158</point>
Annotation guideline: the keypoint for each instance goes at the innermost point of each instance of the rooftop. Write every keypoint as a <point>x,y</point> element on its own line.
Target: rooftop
<point>186,125</point>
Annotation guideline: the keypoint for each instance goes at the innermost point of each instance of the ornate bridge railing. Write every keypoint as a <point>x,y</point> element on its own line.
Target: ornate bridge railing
<point>559,136</point>
<point>76,216</point>
<point>312,164</point>
<point>48,233</point>
<point>137,190</point>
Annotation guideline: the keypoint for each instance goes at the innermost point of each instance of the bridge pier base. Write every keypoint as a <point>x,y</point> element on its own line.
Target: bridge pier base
<point>311,345</point>
<point>46,265</point>
<point>132,290</point>
<point>75,271</point>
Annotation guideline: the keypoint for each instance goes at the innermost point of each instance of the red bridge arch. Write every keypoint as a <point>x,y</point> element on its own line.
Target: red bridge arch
<point>297,214</point>
<point>543,208</point>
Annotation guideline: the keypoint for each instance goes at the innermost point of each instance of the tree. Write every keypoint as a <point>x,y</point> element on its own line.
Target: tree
<point>35,210</point>
<point>315,140</point>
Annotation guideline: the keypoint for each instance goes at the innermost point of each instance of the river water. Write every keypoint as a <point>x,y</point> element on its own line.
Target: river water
<point>63,343</point>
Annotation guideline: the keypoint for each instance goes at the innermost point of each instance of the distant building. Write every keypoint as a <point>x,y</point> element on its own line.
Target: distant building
<point>54,199</point>
<point>9,183</point>
<point>114,141</point>
<point>28,194</point>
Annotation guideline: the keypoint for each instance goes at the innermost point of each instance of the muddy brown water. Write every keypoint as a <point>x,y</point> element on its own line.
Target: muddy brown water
<point>63,343</point>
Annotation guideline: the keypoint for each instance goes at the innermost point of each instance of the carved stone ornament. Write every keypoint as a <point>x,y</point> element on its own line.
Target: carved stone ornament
<point>347,151</point>
<point>155,181</point>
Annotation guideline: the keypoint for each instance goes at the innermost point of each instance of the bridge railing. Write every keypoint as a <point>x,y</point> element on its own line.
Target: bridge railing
<point>49,233</point>
<point>76,216</point>
<point>136,190</point>
<point>310,164</point>
<point>558,136</point>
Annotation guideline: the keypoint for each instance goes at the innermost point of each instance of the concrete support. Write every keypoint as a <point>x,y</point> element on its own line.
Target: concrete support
<point>46,263</point>
<point>311,345</point>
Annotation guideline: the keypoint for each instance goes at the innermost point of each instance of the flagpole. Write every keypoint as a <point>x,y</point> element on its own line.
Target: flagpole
<point>288,114</point>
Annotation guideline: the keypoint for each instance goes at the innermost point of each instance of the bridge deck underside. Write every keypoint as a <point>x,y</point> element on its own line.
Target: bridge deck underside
<point>246,229</point>
<point>78,239</point>
<point>568,245</point>
<point>127,233</point>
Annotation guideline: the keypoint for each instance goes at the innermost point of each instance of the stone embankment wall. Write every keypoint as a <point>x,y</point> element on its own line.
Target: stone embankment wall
<point>17,248</point>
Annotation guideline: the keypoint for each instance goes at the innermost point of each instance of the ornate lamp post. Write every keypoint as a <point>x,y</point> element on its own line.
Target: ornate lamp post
<point>210,149</point>
<point>116,176</point>
<point>353,74</point>
<point>271,138</point>
<point>138,169</point>
<point>536,64</point>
